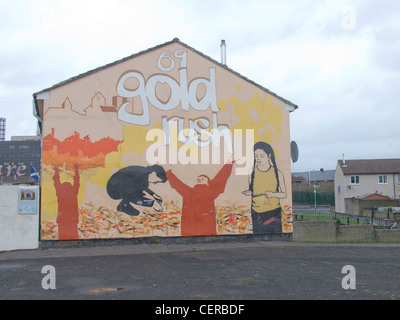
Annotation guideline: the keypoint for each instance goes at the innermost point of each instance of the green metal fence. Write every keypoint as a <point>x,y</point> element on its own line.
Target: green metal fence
<point>341,218</point>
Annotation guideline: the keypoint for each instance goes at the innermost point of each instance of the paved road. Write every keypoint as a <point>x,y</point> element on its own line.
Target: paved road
<point>212,271</point>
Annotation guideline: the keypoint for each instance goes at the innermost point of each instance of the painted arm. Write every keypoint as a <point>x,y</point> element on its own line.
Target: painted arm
<point>56,177</point>
<point>76,177</point>
<point>219,181</point>
<point>281,194</point>
<point>152,194</point>
<point>149,191</point>
<point>177,184</point>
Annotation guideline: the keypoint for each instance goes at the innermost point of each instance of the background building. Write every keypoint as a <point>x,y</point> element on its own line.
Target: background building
<point>2,129</point>
<point>323,179</point>
<point>17,157</point>
<point>372,179</point>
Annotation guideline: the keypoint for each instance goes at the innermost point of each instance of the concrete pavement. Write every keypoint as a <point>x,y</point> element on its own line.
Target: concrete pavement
<point>254,270</point>
<point>105,250</point>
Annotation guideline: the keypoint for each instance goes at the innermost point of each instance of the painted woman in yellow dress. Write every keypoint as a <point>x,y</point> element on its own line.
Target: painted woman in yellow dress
<point>267,187</point>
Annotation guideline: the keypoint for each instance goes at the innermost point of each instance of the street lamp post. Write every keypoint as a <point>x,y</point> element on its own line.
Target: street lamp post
<point>315,194</point>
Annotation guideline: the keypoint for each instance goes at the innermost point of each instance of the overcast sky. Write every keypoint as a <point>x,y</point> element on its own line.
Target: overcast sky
<point>339,61</point>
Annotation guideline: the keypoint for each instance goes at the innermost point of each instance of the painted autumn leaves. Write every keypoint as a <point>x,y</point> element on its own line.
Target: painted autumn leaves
<point>101,222</point>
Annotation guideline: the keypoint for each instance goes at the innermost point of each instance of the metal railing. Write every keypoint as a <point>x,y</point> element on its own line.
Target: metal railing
<point>341,218</point>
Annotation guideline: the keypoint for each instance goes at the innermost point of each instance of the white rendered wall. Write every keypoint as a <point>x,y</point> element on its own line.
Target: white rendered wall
<point>17,230</point>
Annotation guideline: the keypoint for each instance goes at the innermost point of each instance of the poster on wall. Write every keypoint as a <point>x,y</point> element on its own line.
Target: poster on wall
<point>167,143</point>
<point>27,201</point>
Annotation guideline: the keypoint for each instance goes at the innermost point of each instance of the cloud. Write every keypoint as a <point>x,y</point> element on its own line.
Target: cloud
<point>343,78</point>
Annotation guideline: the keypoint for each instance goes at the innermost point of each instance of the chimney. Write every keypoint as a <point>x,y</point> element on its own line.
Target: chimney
<point>223,52</point>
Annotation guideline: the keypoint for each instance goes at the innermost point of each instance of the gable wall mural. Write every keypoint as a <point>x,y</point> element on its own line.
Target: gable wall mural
<point>167,143</point>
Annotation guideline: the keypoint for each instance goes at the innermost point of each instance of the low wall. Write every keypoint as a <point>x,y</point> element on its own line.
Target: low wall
<point>355,233</point>
<point>19,217</point>
<point>387,235</point>
<point>314,231</point>
<point>330,231</point>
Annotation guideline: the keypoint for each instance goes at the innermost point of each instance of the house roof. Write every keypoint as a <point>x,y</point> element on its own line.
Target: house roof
<point>297,178</point>
<point>154,48</point>
<point>321,175</point>
<point>370,166</point>
<point>373,196</point>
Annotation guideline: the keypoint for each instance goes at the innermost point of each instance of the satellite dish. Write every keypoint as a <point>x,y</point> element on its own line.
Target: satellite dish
<point>294,151</point>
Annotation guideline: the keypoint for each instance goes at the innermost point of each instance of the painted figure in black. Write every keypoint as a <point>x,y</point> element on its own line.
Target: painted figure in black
<point>131,185</point>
